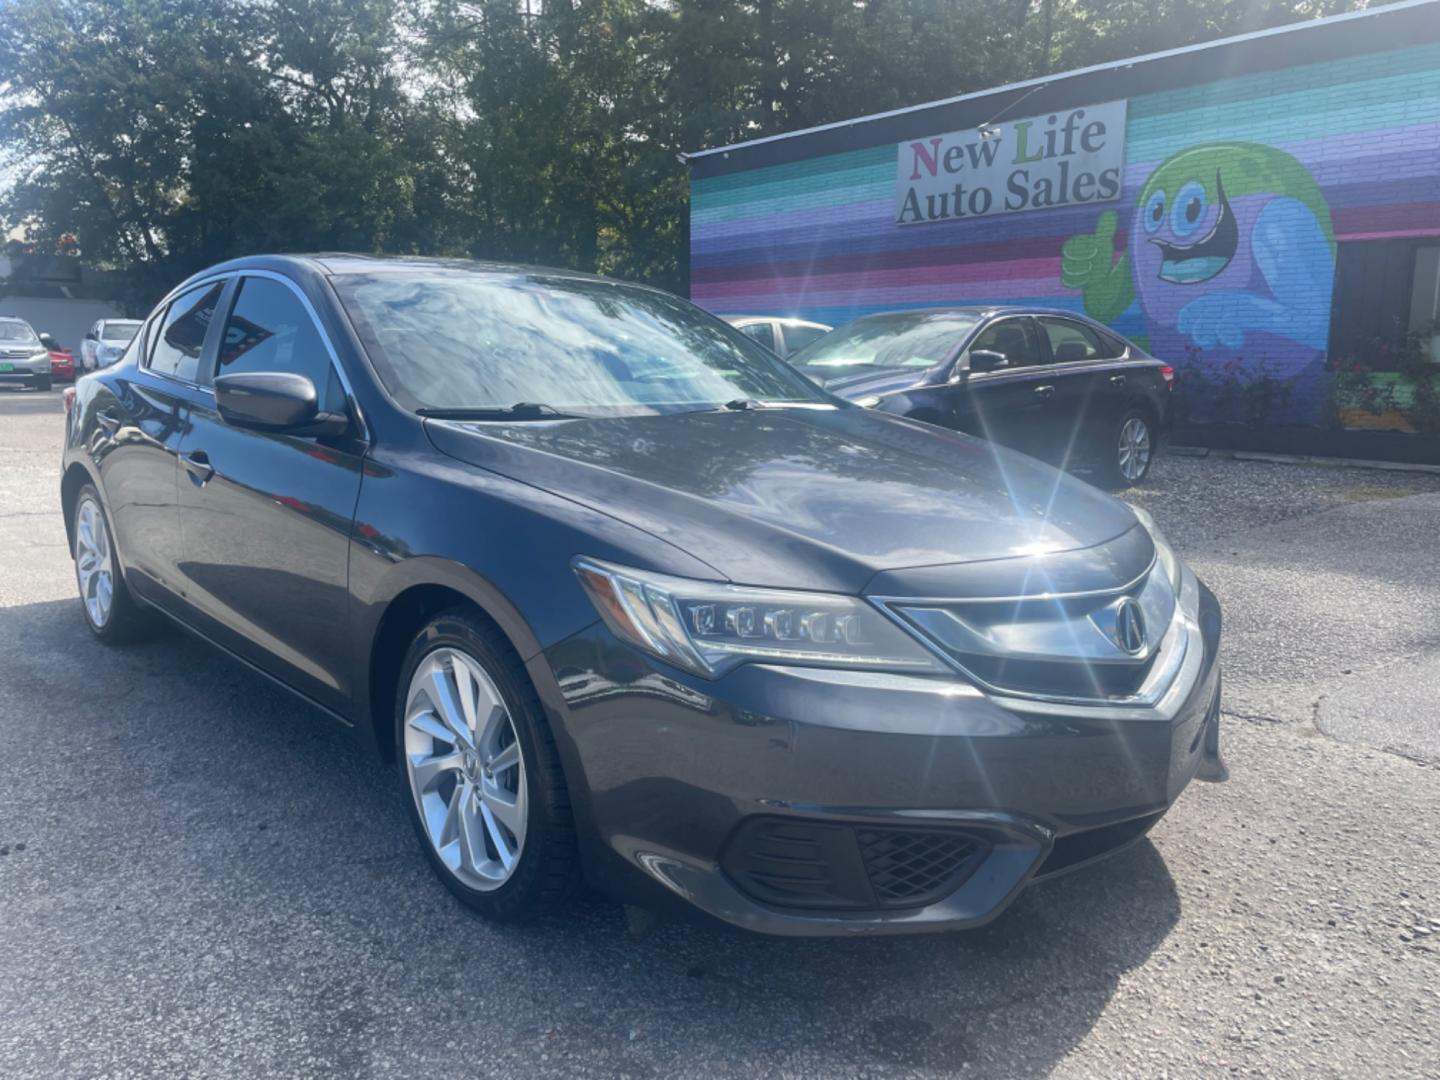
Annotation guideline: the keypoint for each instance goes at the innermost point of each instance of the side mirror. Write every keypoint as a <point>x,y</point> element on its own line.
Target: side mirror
<point>983,360</point>
<point>274,401</point>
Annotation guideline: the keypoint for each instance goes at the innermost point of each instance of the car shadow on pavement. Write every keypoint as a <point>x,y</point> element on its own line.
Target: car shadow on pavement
<point>212,831</point>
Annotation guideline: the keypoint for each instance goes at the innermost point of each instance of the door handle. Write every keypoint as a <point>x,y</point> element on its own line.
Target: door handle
<point>108,421</point>
<point>197,464</point>
<point>1047,391</point>
<point>1117,380</point>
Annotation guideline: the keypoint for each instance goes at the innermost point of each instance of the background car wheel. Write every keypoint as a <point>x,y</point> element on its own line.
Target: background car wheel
<point>480,773</point>
<point>1129,456</point>
<point>113,615</point>
<point>43,383</point>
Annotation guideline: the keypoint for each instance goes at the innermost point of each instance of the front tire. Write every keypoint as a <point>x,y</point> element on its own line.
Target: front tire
<point>111,613</point>
<point>1127,458</point>
<point>479,771</point>
<point>43,383</point>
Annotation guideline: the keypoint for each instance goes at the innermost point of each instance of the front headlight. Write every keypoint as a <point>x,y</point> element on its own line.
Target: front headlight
<point>709,627</point>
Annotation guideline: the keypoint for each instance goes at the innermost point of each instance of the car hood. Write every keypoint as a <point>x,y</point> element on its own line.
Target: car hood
<point>816,498</point>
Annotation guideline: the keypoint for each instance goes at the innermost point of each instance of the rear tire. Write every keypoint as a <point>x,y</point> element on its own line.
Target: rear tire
<point>479,771</point>
<point>111,613</point>
<point>43,383</point>
<point>1126,456</point>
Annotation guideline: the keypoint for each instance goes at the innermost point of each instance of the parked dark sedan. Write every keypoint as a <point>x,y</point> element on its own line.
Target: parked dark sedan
<point>1050,383</point>
<point>621,592</point>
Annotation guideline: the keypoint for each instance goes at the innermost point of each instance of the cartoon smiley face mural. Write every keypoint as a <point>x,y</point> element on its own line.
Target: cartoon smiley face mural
<point>1230,248</point>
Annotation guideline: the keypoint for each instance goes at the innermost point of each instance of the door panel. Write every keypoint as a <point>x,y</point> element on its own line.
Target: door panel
<point>143,427</point>
<point>1004,406</point>
<point>1089,380</point>
<point>266,517</point>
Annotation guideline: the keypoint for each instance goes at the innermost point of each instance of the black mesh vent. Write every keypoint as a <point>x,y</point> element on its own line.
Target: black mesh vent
<point>910,867</point>
<point>808,864</point>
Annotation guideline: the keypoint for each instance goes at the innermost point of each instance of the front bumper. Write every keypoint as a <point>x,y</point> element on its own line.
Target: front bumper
<point>24,372</point>
<point>675,778</point>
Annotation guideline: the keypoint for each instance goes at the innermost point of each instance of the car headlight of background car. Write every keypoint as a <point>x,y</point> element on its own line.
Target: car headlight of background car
<point>709,627</point>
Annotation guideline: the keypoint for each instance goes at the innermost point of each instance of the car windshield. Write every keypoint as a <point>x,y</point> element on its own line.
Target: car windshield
<point>121,330</point>
<point>911,339</point>
<point>17,331</point>
<point>466,339</point>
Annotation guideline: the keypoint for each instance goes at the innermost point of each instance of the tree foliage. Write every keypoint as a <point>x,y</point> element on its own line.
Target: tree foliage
<point>167,135</point>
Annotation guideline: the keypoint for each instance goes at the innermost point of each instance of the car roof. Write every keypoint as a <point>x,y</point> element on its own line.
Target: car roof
<point>984,311</point>
<point>788,320</point>
<point>340,262</point>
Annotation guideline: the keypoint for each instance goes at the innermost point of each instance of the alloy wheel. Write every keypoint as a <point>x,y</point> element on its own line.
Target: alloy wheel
<point>94,564</point>
<point>466,769</point>
<point>1134,448</point>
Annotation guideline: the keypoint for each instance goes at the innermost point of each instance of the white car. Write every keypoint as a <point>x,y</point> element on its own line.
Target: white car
<point>105,341</point>
<point>780,336</point>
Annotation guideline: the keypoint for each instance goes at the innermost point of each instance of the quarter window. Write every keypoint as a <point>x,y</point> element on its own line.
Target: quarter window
<point>1073,341</point>
<point>181,337</point>
<point>269,329</point>
<point>1015,339</point>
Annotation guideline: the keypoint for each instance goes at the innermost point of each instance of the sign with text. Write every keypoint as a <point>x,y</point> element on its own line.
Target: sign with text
<point>1062,159</point>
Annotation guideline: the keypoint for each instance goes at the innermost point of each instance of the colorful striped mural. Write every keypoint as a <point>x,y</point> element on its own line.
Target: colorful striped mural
<point>1308,157</point>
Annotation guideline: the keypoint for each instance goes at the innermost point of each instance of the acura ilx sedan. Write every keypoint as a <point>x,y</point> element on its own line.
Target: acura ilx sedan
<point>624,596</point>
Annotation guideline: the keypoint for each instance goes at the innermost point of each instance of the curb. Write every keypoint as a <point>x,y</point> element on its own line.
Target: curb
<point>1304,459</point>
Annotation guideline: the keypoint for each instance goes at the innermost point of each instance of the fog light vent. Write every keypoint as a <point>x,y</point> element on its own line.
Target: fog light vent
<point>809,864</point>
<point>912,867</point>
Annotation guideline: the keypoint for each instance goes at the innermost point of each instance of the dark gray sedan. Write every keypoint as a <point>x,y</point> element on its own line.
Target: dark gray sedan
<point>623,596</point>
<point>1051,383</point>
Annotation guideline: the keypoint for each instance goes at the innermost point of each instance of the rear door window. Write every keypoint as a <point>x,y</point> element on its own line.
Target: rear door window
<point>1072,342</point>
<point>761,332</point>
<point>797,337</point>
<point>176,348</point>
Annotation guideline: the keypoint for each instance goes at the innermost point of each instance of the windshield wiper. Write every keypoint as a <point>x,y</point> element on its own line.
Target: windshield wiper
<point>521,410</point>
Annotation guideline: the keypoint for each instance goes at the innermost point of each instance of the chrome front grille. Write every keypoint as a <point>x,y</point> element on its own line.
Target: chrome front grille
<point>1117,646</point>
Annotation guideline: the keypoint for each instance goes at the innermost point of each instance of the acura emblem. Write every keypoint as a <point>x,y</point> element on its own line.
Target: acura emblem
<point>1130,626</point>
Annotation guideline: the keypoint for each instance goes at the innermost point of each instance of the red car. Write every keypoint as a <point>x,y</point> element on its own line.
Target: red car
<point>62,360</point>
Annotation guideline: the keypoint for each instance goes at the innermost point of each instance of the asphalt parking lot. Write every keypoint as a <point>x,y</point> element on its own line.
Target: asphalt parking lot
<point>201,877</point>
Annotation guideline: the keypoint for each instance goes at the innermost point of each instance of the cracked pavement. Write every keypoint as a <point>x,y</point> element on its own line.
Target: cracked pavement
<point>201,877</point>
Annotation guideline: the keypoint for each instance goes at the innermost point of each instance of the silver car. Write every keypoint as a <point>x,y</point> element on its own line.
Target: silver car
<point>24,360</point>
<point>781,336</point>
<point>105,341</point>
